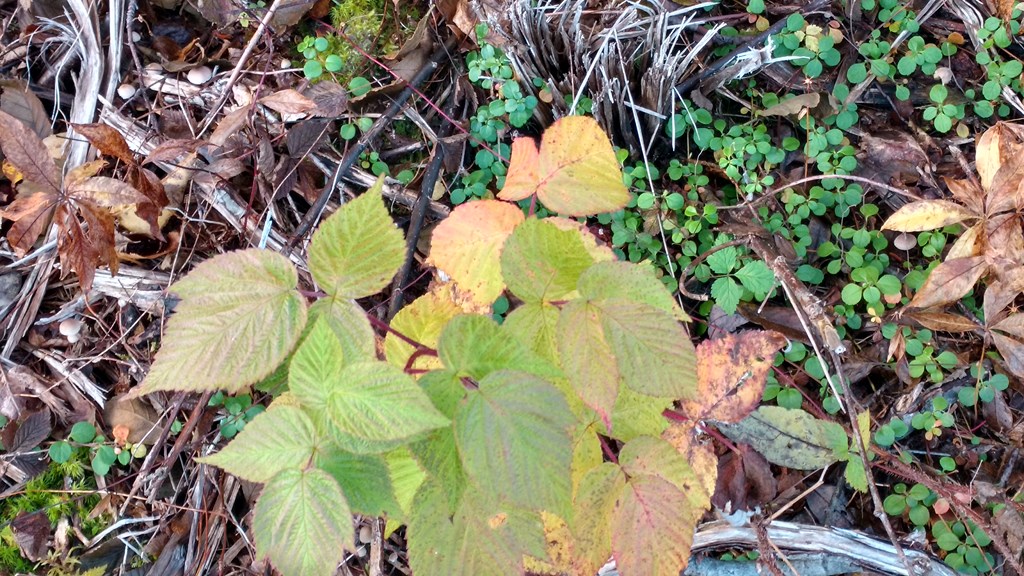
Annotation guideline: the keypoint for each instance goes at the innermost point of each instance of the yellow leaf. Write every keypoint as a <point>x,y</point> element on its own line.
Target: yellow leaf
<point>467,247</point>
<point>574,172</point>
<point>927,215</point>
<point>421,321</point>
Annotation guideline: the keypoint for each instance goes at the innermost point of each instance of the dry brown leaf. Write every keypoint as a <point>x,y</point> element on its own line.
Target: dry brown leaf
<point>949,281</point>
<point>1012,352</point>
<point>27,152</point>
<point>172,149</point>
<point>231,122</point>
<point>793,106</point>
<point>942,321</point>
<point>288,101</point>
<point>139,419</point>
<point>20,102</point>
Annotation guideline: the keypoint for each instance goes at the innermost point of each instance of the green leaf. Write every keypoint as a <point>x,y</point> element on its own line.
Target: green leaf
<point>542,263</point>
<point>350,326</point>
<point>723,261</point>
<point>638,414</point>
<point>439,457</point>
<point>302,523</point>
<point>282,438</point>
<point>481,538</point>
<point>364,479</point>
<point>535,325</point>
<point>60,451</point>
<point>317,363</point>
<point>239,318</point>
<point>474,346</point>
<point>83,432</point>
<point>756,277</point>
<point>855,475</point>
<point>357,250</point>
<point>727,294</point>
<point>376,402</point>
<point>653,352</point>
<point>406,477</point>
<point>791,438</point>
<point>637,282</point>
<point>513,436</point>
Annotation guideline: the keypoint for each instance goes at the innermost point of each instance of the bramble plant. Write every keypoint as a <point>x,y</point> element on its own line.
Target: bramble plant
<point>482,438</point>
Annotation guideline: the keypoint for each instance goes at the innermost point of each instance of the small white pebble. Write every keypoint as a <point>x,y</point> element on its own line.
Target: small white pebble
<point>126,91</point>
<point>70,327</point>
<point>365,535</point>
<point>285,64</point>
<point>199,75</point>
<point>136,37</point>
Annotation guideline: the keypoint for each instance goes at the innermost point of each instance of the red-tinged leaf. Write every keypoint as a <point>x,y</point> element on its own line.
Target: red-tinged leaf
<point>968,193</point>
<point>1013,324</point>
<point>145,181</point>
<point>652,528</point>
<point>107,140</point>
<point>949,281</point>
<point>731,375</point>
<point>587,357</point>
<point>467,246</point>
<point>1012,352</point>
<point>575,172</point>
<point>171,150</point>
<point>942,321</point>
<point>82,249</point>
<point>968,244</point>
<point>31,215</point>
<point>927,215</point>
<point>593,506</point>
<point>26,151</point>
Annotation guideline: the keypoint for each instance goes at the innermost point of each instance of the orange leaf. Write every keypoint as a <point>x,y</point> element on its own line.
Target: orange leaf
<point>731,375</point>
<point>574,173</point>
<point>949,281</point>
<point>31,215</point>
<point>927,215</point>
<point>467,246</point>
